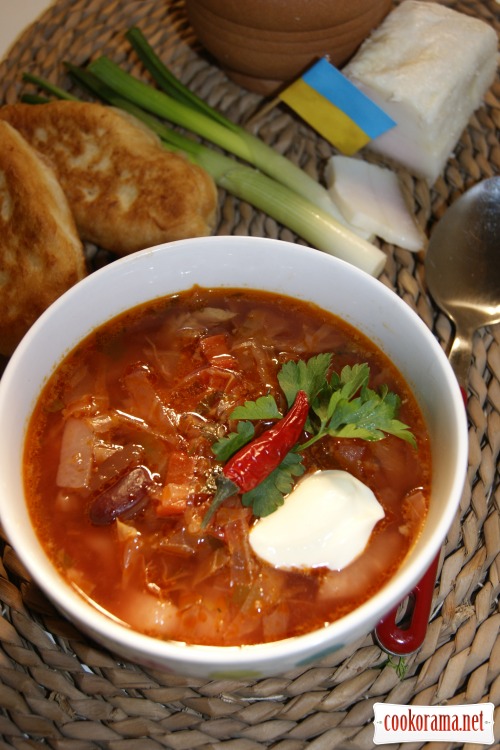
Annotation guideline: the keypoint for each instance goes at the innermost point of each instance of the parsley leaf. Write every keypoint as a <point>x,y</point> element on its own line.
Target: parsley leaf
<point>269,494</point>
<point>226,446</point>
<point>264,407</point>
<point>307,376</point>
<point>399,665</point>
<point>368,415</point>
<point>351,379</point>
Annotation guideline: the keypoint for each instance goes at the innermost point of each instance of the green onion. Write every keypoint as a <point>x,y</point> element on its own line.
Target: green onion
<point>170,83</point>
<point>308,221</point>
<point>34,99</point>
<point>48,86</point>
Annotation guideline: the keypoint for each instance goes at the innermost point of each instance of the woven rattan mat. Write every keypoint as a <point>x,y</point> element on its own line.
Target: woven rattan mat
<point>58,689</point>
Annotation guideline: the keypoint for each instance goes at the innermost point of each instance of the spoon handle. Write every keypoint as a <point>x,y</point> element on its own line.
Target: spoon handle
<point>460,356</point>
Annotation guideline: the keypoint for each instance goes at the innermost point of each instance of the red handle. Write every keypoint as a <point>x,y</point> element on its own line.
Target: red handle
<point>409,635</point>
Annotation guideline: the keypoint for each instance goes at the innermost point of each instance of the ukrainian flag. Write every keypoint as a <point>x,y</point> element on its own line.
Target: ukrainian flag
<point>336,108</point>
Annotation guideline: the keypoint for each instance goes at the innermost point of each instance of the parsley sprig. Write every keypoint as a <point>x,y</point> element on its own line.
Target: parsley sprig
<point>270,494</point>
<point>342,406</point>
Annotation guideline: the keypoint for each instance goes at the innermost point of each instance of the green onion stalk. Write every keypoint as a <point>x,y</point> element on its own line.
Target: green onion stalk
<point>242,143</point>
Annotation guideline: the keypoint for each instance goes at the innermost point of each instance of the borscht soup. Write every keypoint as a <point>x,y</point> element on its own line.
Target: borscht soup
<point>227,467</point>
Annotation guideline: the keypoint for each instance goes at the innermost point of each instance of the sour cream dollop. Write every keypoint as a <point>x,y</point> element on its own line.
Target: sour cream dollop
<point>326,520</point>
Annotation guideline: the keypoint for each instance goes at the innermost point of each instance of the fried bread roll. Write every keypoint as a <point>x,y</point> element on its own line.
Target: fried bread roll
<point>126,191</point>
<point>41,255</point>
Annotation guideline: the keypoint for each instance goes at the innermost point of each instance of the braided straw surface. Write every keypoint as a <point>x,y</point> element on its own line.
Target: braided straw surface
<point>60,690</point>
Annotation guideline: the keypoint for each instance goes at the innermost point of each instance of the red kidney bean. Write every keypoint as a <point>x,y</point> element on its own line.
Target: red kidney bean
<point>123,499</point>
<point>116,465</point>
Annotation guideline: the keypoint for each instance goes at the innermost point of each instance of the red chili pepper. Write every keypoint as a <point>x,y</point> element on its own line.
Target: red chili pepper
<point>255,461</point>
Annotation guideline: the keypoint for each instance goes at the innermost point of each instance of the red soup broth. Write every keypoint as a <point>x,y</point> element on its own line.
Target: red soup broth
<point>139,403</point>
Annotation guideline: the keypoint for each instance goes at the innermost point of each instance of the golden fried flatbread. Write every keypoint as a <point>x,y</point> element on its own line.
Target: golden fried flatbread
<point>126,191</point>
<point>41,255</point>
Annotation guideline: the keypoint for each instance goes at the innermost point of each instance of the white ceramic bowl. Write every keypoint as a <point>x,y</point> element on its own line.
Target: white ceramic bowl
<point>257,264</point>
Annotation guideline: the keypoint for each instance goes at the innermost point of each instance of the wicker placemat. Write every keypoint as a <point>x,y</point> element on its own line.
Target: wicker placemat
<point>58,689</point>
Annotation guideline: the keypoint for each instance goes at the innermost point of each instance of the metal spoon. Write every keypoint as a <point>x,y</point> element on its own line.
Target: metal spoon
<point>462,268</point>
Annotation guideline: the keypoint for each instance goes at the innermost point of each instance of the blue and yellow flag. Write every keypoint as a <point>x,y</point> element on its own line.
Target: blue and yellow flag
<point>336,108</point>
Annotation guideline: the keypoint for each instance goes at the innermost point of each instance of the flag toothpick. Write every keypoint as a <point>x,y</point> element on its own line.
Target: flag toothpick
<point>333,106</point>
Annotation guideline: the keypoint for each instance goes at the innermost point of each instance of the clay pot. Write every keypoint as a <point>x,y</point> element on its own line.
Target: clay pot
<point>265,44</point>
